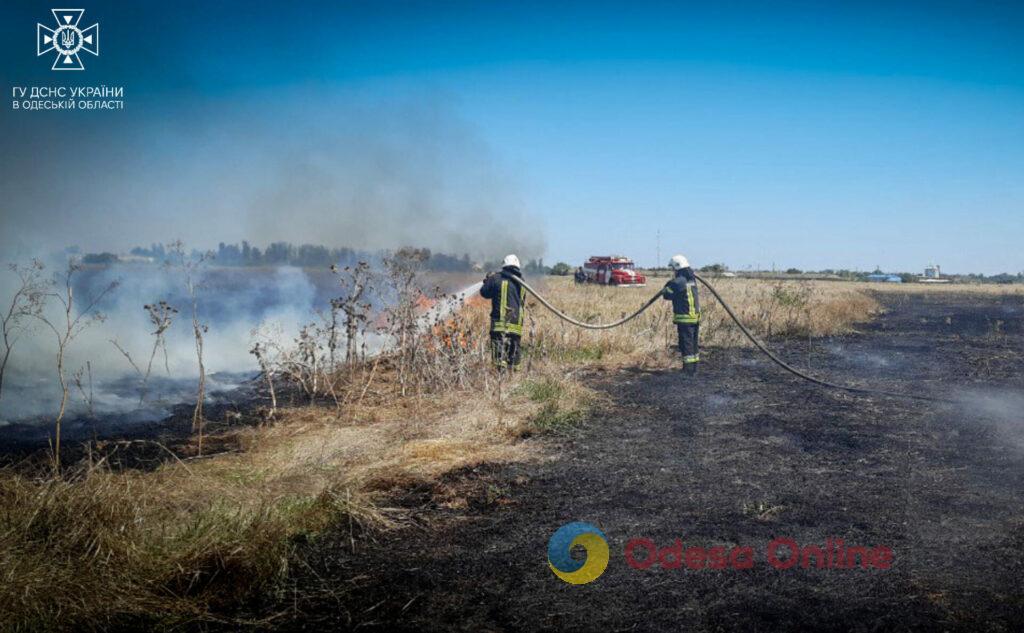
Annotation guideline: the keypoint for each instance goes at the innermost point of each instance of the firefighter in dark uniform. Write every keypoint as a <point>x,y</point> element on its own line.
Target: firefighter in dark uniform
<point>682,292</point>
<point>508,302</point>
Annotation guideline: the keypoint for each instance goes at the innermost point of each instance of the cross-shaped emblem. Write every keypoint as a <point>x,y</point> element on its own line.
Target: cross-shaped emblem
<point>67,39</point>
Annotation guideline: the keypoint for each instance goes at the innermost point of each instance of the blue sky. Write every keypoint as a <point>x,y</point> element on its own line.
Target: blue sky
<point>810,135</point>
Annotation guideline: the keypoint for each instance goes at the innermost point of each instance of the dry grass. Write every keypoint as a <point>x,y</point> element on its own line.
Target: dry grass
<point>983,289</point>
<point>769,308</point>
<point>173,545</point>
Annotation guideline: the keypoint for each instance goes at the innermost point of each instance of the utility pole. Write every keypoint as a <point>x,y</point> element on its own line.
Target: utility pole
<point>657,259</point>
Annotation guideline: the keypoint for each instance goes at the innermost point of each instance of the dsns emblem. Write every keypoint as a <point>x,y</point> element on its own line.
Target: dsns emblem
<point>67,40</point>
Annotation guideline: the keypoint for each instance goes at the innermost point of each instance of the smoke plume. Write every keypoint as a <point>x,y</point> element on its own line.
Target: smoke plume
<point>343,173</point>
<point>300,168</point>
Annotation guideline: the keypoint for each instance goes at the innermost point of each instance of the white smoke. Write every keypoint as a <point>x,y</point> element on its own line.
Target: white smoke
<point>1003,410</point>
<point>231,308</point>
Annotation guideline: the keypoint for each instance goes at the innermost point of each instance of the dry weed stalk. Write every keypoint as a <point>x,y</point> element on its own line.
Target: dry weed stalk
<point>192,268</point>
<point>401,270</point>
<point>354,283</point>
<point>261,351</point>
<point>83,379</point>
<point>65,328</point>
<point>161,315</point>
<point>28,302</point>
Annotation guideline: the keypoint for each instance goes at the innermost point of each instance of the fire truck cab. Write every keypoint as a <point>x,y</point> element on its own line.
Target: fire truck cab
<point>612,270</point>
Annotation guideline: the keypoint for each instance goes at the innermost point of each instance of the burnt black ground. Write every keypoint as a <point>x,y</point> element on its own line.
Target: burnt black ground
<point>740,455</point>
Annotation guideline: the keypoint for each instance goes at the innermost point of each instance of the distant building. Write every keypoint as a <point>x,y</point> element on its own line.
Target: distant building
<point>932,272</point>
<point>132,258</point>
<point>885,277</point>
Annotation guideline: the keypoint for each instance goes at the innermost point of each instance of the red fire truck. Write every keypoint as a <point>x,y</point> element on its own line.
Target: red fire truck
<point>612,270</point>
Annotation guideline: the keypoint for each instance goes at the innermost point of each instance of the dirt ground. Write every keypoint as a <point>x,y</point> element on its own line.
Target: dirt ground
<point>738,456</point>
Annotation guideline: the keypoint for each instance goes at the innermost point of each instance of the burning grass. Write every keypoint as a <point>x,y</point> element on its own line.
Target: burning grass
<point>99,547</point>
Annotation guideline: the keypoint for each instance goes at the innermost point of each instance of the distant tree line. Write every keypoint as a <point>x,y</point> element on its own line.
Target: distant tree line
<point>288,254</point>
<point>561,269</point>
<point>859,275</point>
<point>531,267</point>
<point>306,256</point>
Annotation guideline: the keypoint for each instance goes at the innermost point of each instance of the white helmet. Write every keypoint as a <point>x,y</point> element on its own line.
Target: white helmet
<point>678,262</point>
<point>510,260</point>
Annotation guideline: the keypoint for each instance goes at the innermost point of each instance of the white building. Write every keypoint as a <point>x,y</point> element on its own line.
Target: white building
<point>134,259</point>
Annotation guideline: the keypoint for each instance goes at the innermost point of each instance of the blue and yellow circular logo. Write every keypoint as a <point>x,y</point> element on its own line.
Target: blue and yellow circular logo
<point>560,560</point>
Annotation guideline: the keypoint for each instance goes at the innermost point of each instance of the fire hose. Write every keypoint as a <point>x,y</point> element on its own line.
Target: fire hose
<point>767,352</point>
<point>565,317</point>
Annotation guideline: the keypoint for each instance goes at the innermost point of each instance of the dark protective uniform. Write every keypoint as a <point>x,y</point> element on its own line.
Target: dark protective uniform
<point>508,299</point>
<point>682,291</point>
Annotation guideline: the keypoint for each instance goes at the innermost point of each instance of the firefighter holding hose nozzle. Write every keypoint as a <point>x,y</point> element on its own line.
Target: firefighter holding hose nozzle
<point>508,303</point>
<point>682,292</point>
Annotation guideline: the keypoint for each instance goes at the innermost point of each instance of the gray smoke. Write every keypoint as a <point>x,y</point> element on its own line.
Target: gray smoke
<point>299,167</point>
<point>344,173</point>
<point>420,177</point>
<point>1004,410</point>
<point>284,297</point>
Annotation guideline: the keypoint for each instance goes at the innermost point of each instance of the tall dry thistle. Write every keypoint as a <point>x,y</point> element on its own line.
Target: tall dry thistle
<point>191,268</point>
<point>402,272</point>
<point>27,302</point>
<point>66,327</point>
<point>354,281</point>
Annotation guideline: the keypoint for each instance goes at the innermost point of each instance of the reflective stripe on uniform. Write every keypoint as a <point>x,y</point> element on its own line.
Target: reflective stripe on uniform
<point>504,300</point>
<point>693,316</point>
<point>501,325</point>
<point>692,358</point>
<point>686,318</point>
<point>689,300</point>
